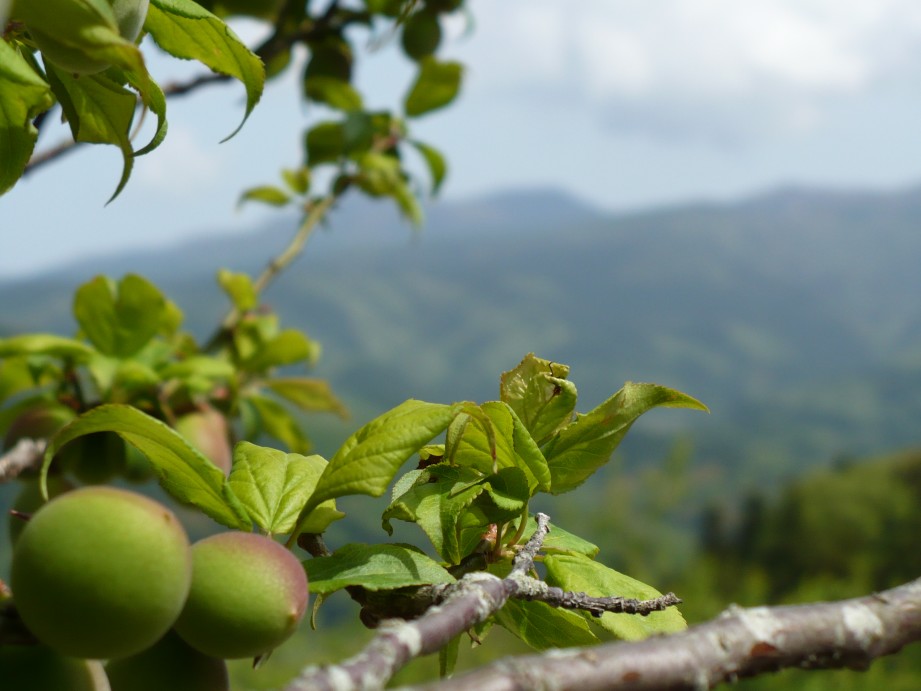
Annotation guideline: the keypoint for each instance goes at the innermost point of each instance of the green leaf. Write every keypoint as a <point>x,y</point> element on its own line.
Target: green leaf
<point>587,443</point>
<point>561,541</point>
<point>45,344</point>
<point>324,143</point>
<point>288,347</point>
<point>273,487</point>
<point>276,421</point>
<point>436,86</point>
<point>543,627</point>
<point>368,460</point>
<point>313,395</point>
<point>578,573</point>
<point>119,319</point>
<point>186,30</point>
<point>514,447</point>
<point>438,167</point>
<point>199,366</point>
<point>436,502</point>
<point>239,288</point>
<point>373,567</point>
<point>99,111</point>
<point>183,472</point>
<point>298,180</point>
<point>508,490</point>
<point>267,194</point>
<point>539,393</point>
<point>23,95</point>
<point>447,658</point>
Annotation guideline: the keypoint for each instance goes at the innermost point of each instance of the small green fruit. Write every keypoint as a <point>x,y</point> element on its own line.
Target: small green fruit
<point>421,35</point>
<point>69,31</point>
<point>101,572</point>
<point>38,668</point>
<point>208,432</point>
<point>248,595</point>
<point>170,665</point>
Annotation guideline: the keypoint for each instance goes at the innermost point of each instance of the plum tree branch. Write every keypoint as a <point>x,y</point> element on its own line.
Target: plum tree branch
<point>457,608</point>
<point>25,455</point>
<point>739,643</point>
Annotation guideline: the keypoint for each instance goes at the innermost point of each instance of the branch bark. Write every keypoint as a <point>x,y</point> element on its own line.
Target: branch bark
<point>25,455</point>
<point>739,643</point>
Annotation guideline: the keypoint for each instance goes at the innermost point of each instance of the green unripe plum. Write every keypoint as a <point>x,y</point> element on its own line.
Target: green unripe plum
<point>101,572</point>
<point>421,35</point>
<point>170,665</point>
<point>248,595</point>
<point>208,432</point>
<point>39,668</point>
<point>29,500</point>
<point>40,422</point>
<point>65,30</point>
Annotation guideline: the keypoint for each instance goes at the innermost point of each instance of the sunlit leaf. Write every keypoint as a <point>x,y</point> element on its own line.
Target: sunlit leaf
<point>239,288</point>
<point>187,30</point>
<point>587,443</point>
<point>542,626</point>
<point>308,394</point>
<point>277,421</point>
<point>273,486</point>
<point>23,95</point>
<point>580,574</point>
<point>181,470</point>
<point>373,567</point>
<point>436,86</point>
<point>539,393</point>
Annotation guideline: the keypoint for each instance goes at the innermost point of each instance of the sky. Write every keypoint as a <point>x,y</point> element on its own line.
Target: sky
<point>625,104</point>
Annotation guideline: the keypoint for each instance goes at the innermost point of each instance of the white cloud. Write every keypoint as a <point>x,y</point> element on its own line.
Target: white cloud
<point>712,69</point>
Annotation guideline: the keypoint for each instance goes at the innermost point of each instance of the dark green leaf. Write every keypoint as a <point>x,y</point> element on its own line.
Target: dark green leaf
<point>436,86</point>
<point>23,95</point>
<point>587,443</point>
<point>273,486</point>
<point>325,143</point>
<point>373,567</point>
<point>185,29</point>
<point>182,471</point>
<point>119,319</point>
<point>539,393</point>
<point>578,573</point>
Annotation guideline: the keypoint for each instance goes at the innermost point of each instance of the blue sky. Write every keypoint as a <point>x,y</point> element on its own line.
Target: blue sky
<point>625,104</point>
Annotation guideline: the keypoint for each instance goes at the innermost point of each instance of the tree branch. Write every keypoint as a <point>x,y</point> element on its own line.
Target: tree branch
<point>458,607</point>
<point>25,455</point>
<point>739,643</point>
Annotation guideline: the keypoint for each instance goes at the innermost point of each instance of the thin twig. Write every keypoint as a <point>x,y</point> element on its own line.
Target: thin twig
<point>26,455</point>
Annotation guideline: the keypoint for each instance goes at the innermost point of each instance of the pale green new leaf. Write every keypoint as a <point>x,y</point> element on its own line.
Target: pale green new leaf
<point>186,30</point>
<point>308,394</point>
<point>543,627</point>
<point>369,459</point>
<point>239,288</point>
<point>373,567</point>
<point>288,347</point>
<point>436,86</point>
<point>45,344</point>
<point>23,95</point>
<point>438,167</point>
<point>578,573</point>
<point>183,472</point>
<point>273,486</point>
<point>266,194</point>
<point>278,422</point>
<point>119,319</point>
<point>586,444</point>
<point>539,393</point>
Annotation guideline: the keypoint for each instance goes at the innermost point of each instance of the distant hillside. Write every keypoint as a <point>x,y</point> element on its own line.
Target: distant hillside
<point>795,315</point>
